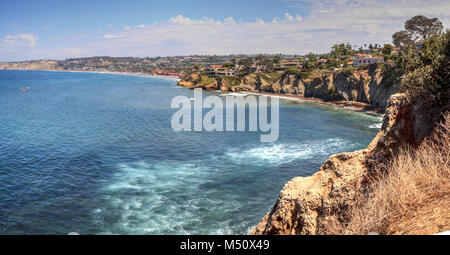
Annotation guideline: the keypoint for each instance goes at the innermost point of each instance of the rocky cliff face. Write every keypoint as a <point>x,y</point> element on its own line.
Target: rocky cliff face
<point>366,86</point>
<point>31,65</point>
<point>321,203</point>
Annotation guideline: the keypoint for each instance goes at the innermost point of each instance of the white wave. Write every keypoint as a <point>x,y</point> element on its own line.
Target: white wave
<point>233,94</point>
<point>285,153</point>
<point>376,125</point>
<point>163,198</point>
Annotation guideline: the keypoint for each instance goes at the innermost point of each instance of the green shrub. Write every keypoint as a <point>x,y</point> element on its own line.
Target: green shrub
<point>427,74</point>
<point>332,93</point>
<point>205,80</point>
<point>349,70</point>
<point>304,75</point>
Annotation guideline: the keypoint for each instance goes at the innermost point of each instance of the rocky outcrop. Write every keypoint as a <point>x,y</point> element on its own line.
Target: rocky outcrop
<point>372,87</point>
<point>50,65</point>
<point>321,203</point>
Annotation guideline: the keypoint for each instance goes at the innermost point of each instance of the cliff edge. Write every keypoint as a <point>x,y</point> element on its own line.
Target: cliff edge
<point>372,86</point>
<point>323,203</point>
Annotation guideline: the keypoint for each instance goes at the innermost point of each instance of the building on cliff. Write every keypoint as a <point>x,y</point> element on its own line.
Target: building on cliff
<point>218,70</point>
<point>286,63</point>
<point>365,59</point>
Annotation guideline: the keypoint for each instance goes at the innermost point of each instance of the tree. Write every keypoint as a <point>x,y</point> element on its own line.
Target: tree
<point>339,50</point>
<point>387,49</point>
<point>311,57</point>
<point>420,27</point>
<point>427,75</point>
<point>276,59</point>
<point>267,63</point>
<point>229,65</point>
<point>260,59</point>
<point>246,63</point>
<point>417,29</point>
<point>348,46</point>
<point>401,39</point>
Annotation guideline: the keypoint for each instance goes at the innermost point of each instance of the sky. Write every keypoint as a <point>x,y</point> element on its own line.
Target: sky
<point>55,29</point>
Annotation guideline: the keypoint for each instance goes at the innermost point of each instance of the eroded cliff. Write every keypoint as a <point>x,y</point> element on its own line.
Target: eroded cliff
<point>366,86</point>
<point>322,203</point>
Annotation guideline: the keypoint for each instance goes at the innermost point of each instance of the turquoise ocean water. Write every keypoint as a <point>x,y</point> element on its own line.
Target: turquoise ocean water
<point>95,154</point>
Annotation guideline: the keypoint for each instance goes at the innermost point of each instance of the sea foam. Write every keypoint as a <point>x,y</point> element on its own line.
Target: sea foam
<point>284,153</point>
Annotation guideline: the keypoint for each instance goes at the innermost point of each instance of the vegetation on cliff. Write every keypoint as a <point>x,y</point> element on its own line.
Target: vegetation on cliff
<point>400,183</point>
<point>412,194</point>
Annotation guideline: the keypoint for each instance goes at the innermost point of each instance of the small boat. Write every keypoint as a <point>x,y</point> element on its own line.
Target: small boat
<point>24,90</point>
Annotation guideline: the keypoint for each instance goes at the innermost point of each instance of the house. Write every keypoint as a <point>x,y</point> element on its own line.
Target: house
<point>286,63</point>
<point>362,55</point>
<point>218,70</point>
<point>257,69</point>
<point>368,59</point>
<point>227,72</point>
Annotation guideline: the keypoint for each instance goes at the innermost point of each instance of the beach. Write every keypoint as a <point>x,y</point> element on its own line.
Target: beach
<point>350,105</point>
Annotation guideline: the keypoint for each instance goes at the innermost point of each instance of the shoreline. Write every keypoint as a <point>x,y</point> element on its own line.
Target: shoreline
<point>168,77</point>
<point>350,105</point>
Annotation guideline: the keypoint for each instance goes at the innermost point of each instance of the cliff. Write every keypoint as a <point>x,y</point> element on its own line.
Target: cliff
<point>324,203</point>
<point>50,65</point>
<point>372,86</point>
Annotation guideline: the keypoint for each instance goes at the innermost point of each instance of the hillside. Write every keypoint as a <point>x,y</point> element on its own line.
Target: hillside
<point>372,86</point>
<point>399,184</point>
<point>336,200</point>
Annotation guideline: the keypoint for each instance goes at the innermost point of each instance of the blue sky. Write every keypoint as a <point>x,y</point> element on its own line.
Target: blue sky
<point>60,29</point>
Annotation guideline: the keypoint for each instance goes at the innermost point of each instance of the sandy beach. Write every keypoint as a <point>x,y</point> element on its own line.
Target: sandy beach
<point>355,106</point>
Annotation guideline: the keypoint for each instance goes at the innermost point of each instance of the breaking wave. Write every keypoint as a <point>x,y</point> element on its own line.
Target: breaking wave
<point>285,153</point>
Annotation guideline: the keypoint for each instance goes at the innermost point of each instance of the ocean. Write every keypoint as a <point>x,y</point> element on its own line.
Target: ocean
<point>96,154</point>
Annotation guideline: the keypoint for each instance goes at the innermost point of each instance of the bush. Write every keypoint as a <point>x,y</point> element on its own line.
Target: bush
<point>413,195</point>
<point>427,74</point>
<point>332,93</point>
<point>304,75</point>
<point>205,80</point>
<point>349,70</point>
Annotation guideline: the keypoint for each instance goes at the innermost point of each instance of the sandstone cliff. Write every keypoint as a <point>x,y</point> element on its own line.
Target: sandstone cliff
<point>372,87</point>
<point>322,203</point>
<point>50,65</point>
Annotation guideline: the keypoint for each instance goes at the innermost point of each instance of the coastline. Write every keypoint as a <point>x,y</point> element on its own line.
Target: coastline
<point>350,105</point>
<point>168,77</point>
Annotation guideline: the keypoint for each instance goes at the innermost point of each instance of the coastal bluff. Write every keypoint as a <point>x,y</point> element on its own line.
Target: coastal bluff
<point>322,204</point>
<point>371,87</point>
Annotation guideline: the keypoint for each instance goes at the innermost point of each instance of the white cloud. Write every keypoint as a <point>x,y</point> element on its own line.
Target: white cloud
<point>328,22</point>
<point>110,36</point>
<point>288,17</point>
<point>20,40</point>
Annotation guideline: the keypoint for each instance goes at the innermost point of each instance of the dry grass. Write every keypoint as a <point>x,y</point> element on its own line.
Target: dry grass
<point>413,196</point>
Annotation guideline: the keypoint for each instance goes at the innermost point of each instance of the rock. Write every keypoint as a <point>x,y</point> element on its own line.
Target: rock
<point>371,87</point>
<point>321,203</point>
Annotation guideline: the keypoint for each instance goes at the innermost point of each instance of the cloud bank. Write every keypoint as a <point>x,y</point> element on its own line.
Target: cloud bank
<point>327,22</point>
